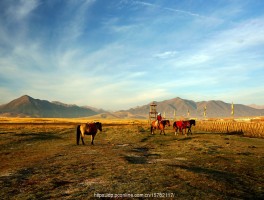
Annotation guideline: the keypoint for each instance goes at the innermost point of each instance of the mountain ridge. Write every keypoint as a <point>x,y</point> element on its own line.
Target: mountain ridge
<point>26,106</point>
<point>256,106</point>
<point>214,108</point>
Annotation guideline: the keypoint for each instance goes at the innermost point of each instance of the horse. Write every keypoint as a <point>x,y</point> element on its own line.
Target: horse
<point>192,122</point>
<point>188,125</point>
<point>161,126</point>
<point>87,129</point>
<point>181,125</point>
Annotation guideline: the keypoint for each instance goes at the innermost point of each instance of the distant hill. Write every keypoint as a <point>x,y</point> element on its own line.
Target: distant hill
<point>118,115</point>
<point>214,108</point>
<point>256,106</point>
<point>27,106</point>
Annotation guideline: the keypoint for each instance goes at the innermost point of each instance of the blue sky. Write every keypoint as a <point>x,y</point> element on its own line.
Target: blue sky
<point>118,54</point>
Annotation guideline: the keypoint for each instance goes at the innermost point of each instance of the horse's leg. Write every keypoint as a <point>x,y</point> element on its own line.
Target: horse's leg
<point>78,134</point>
<point>82,136</point>
<point>92,139</point>
<point>82,140</point>
<point>190,129</point>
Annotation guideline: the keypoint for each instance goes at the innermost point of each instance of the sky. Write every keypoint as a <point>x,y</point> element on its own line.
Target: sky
<point>119,54</point>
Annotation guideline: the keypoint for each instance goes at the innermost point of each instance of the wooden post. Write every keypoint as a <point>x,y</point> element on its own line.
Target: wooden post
<point>232,109</point>
<point>152,112</point>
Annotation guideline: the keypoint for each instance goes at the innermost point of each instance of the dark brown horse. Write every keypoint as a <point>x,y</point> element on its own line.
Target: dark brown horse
<point>87,129</point>
<point>160,126</point>
<point>192,122</point>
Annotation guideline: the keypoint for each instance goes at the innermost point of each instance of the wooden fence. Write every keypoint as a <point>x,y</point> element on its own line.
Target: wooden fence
<point>250,129</point>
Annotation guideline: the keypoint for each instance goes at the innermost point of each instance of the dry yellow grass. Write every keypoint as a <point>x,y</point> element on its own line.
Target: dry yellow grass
<point>70,120</point>
<point>250,129</point>
<point>40,159</point>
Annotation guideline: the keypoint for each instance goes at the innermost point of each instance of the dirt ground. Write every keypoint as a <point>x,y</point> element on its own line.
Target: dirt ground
<point>42,161</point>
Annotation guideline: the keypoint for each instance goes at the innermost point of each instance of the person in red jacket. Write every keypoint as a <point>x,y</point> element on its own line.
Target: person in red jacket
<point>159,118</point>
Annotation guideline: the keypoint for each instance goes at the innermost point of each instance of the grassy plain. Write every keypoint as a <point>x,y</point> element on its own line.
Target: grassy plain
<point>40,160</point>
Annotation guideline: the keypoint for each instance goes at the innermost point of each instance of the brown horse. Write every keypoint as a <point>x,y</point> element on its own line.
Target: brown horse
<point>183,125</point>
<point>180,125</point>
<point>161,126</point>
<point>87,129</point>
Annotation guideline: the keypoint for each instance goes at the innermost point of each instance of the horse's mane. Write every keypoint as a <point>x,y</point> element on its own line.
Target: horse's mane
<point>192,121</point>
<point>98,125</point>
<point>164,121</point>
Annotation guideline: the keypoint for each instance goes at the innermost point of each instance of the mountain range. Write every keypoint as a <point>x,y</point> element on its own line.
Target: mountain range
<point>188,108</point>
<point>27,106</point>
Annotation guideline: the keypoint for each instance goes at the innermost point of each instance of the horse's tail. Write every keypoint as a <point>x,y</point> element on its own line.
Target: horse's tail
<point>78,134</point>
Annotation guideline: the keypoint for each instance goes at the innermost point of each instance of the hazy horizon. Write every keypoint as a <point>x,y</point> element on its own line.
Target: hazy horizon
<point>55,101</point>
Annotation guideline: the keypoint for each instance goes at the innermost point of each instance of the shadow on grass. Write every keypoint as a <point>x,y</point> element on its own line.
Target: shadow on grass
<point>57,182</point>
<point>41,136</point>
<point>140,149</point>
<point>241,133</point>
<point>202,170</point>
<point>221,133</point>
<point>17,178</point>
<point>23,180</point>
<point>235,182</point>
<point>183,139</point>
<point>146,138</point>
<point>141,155</point>
<point>136,159</point>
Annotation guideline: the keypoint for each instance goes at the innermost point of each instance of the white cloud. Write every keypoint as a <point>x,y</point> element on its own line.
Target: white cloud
<point>243,35</point>
<point>71,22</point>
<point>224,48</point>
<point>167,8</point>
<point>183,12</point>
<point>18,10</point>
<point>166,54</point>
